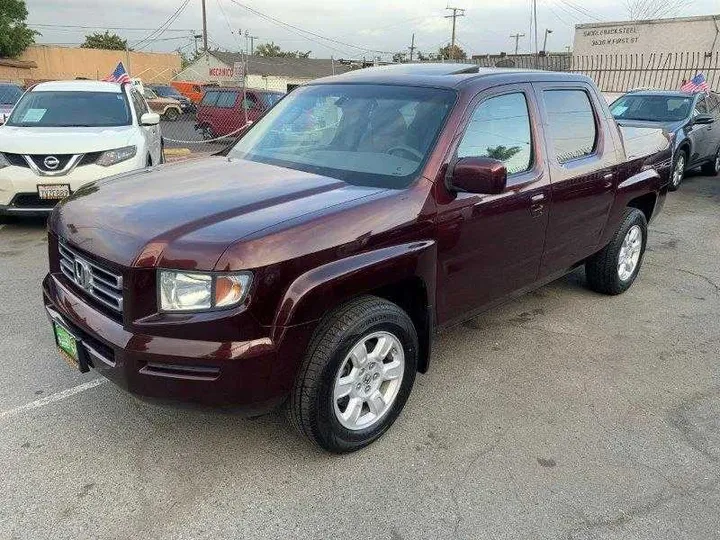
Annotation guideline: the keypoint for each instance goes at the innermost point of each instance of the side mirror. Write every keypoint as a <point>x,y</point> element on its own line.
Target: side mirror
<point>704,118</point>
<point>479,175</point>
<point>150,119</point>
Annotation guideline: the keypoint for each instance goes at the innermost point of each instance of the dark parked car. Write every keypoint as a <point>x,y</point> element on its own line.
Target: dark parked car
<point>693,120</point>
<point>317,258</point>
<point>10,93</point>
<point>227,111</point>
<point>167,91</point>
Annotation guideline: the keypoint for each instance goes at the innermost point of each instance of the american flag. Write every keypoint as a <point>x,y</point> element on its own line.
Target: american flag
<point>119,75</point>
<point>697,84</point>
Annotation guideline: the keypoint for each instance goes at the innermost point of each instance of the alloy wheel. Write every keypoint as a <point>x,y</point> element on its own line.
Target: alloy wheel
<point>679,170</point>
<point>368,380</point>
<point>630,253</point>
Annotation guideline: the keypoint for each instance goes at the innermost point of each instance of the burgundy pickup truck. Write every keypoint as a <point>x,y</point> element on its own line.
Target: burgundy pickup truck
<point>314,261</point>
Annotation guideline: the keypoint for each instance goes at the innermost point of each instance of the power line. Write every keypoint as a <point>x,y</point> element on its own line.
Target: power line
<point>161,29</point>
<point>144,29</point>
<point>282,23</point>
<point>580,10</point>
<point>227,21</point>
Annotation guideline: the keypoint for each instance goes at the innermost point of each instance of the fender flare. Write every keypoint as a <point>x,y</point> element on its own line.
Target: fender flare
<point>312,294</point>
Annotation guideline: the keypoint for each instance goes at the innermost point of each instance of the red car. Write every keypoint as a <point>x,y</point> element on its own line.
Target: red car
<point>314,260</point>
<point>227,111</point>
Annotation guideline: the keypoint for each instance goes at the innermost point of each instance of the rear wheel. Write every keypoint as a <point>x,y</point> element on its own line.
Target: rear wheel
<point>614,268</point>
<point>678,172</point>
<point>712,168</point>
<point>357,375</point>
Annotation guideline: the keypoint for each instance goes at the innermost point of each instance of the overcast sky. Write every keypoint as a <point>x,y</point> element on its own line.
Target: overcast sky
<point>363,26</point>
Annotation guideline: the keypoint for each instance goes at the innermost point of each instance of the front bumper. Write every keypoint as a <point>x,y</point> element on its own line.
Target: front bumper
<point>16,181</point>
<point>253,374</point>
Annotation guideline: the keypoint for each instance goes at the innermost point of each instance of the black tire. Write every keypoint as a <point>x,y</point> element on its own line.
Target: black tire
<point>311,407</point>
<point>713,167</point>
<point>602,270</point>
<point>207,132</point>
<point>678,169</point>
<point>171,115</point>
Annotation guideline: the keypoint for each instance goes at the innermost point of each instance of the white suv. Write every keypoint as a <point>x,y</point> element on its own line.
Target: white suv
<point>64,134</point>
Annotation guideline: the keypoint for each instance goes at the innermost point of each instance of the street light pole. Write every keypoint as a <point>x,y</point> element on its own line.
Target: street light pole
<point>547,31</point>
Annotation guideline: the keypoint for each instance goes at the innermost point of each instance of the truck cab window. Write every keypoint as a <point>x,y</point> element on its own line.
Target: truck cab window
<point>572,123</point>
<point>500,129</point>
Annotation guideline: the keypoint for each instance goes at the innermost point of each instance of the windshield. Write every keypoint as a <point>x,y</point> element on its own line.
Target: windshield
<point>652,108</point>
<point>71,109</point>
<point>9,94</point>
<point>166,91</point>
<point>363,134</point>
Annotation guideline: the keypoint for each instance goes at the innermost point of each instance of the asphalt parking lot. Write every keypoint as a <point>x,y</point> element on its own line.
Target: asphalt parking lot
<point>563,414</point>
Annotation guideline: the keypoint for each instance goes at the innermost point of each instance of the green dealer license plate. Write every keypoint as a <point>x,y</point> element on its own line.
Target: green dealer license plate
<point>67,345</point>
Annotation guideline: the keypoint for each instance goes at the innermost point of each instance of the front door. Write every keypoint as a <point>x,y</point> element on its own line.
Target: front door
<point>491,245</point>
<point>583,169</point>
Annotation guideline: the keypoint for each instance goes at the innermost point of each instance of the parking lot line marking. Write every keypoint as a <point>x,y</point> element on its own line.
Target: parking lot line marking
<point>52,398</point>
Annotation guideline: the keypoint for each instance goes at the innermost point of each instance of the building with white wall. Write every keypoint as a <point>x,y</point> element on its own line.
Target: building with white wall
<point>271,73</point>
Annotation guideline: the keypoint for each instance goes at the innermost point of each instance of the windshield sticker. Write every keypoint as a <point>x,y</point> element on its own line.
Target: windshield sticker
<point>618,110</point>
<point>34,115</point>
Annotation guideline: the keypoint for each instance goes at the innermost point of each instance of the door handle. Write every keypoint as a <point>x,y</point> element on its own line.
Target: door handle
<point>537,206</point>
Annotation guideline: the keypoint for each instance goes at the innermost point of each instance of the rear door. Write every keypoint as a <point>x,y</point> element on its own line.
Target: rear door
<point>702,136</point>
<point>582,160</point>
<point>713,101</point>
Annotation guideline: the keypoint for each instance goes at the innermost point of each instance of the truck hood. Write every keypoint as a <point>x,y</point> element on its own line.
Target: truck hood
<point>63,140</point>
<point>186,215</point>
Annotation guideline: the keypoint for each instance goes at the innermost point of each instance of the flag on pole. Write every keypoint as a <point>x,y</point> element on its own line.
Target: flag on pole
<point>697,84</point>
<point>119,75</point>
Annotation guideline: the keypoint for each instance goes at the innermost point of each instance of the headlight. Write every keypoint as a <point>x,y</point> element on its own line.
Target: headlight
<point>112,157</point>
<point>196,291</point>
<point>3,161</point>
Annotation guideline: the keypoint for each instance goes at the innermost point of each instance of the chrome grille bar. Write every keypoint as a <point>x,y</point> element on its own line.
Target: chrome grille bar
<point>100,283</point>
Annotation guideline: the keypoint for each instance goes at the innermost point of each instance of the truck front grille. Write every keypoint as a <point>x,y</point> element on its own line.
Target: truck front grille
<point>100,283</point>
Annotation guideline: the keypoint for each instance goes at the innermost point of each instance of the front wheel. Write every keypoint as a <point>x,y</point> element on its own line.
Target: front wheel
<point>614,268</point>
<point>356,376</point>
<point>171,115</point>
<point>678,172</point>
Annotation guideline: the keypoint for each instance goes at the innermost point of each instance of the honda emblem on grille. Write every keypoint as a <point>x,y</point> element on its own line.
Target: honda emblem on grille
<point>83,274</point>
<point>51,162</point>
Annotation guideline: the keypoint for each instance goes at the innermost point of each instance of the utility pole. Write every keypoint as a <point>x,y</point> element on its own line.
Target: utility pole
<point>536,35</point>
<point>252,42</point>
<point>547,31</point>
<point>567,48</point>
<point>456,12</point>
<point>204,17</point>
<point>412,47</point>
<point>517,37</point>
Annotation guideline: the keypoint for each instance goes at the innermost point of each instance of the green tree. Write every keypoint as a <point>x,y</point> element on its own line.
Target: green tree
<point>502,153</point>
<point>452,53</point>
<point>107,41</point>
<point>15,36</point>
<point>187,59</point>
<point>399,57</point>
<point>270,49</point>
